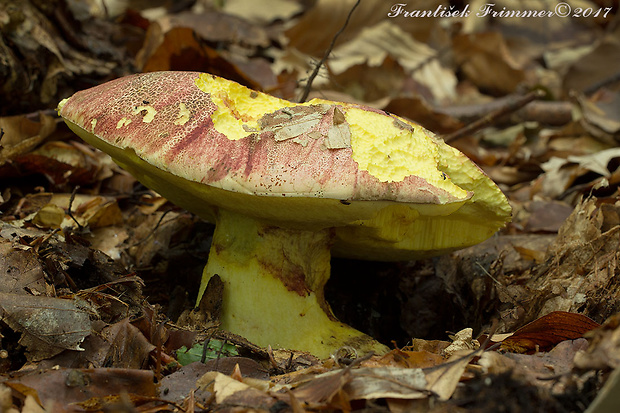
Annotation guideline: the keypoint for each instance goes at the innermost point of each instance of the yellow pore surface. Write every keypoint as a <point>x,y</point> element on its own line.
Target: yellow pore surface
<point>379,145</point>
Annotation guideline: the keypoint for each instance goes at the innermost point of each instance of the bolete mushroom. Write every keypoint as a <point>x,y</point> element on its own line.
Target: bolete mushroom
<point>287,184</point>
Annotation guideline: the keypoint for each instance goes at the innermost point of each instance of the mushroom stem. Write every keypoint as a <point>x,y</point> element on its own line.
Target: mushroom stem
<point>273,286</point>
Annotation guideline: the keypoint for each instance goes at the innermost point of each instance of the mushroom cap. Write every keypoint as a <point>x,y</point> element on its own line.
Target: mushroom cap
<point>390,188</point>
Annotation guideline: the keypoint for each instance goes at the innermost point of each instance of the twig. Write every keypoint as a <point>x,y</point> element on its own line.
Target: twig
<point>493,116</point>
<point>557,113</point>
<point>150,234</point>
<point>205,348</point>
<point>315,72</point>
<point>605,82</point>
<point>80,226</point>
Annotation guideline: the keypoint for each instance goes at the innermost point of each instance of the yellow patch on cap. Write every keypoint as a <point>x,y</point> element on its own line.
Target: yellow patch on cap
<point>123,122</point>
<point>148,112</point>
<point>238,108</point>
<point>183,115</point>
<point>392,150</point>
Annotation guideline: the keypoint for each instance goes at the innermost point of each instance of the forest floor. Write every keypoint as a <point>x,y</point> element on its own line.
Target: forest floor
<point>99,273</point>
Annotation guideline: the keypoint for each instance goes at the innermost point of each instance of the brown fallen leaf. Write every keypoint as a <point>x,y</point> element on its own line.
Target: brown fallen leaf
<point>547,331</point>
<point>386,382</point>
<point>180,49</point>
<point>597,66</point>
<point>604,350</point>
<point>48,325</point>
<point>536,368</point>
<point>374,44</point>
<point>546,216</point>
<point>486,60</point>
<point>580,271</point>
<point>63,163</point>
<point>443,379</point>
<point>57,389</point>
<point>411,359</point>
<point>231,392</point>
<point>177,386</point>
<point>22,133</point>
<point>325,389</point>
<point>601,115</point>
<point>20,269</point>
<point>123,346</point>
<point>119,345</point>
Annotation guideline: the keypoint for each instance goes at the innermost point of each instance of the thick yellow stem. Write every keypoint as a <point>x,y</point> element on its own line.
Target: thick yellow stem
<point>273,287</point>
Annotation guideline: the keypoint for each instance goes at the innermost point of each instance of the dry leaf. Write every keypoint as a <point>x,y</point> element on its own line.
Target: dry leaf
<point>580,272</point>
<point>597,66</point>
<point>411,359</point>
<point>62,387</point>
<point>266,12</point>
<point>386,382</point>
<point>601,115</point>
<point>374,44</point>
<point>22,134</point>
<point>604,350</point>
<point>48,325</point>
<point>20,270</point>
<point>462,340</point>
<point>547,331</point>
<point>443,379</point>
<point>486,60</point>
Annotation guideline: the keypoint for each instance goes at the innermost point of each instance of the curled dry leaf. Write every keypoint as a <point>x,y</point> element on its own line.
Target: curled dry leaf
<point>230,391</point>
<point>22,133</point>
<point>561,173</point>
<point>119,345</point>
<point>64,163</point>
<point>601,115</point>
<point>604,349</point>
<point>547,331</point>
<point>580,272</point>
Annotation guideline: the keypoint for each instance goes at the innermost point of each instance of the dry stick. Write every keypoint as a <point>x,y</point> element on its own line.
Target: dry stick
<point>557,113</point>
<point>608,81</point>
<point>71,206</point>
<point>150,234</point>
<point>493,116</point>
<point>315,72</point>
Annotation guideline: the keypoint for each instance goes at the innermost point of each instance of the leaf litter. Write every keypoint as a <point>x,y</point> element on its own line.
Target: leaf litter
<point>99,281</point>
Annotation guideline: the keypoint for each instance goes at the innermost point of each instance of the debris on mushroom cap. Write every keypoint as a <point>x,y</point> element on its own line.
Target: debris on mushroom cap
<point>221,135</point>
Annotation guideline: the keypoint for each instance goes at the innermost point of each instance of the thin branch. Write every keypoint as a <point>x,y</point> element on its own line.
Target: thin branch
<point>150,234</point>
<point>80,226</point>
<point>315,72</point>
<point>605,82</point>
<point>494,116</point>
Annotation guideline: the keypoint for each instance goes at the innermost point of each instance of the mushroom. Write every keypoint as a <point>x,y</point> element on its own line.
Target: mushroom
<point>288,184</point>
